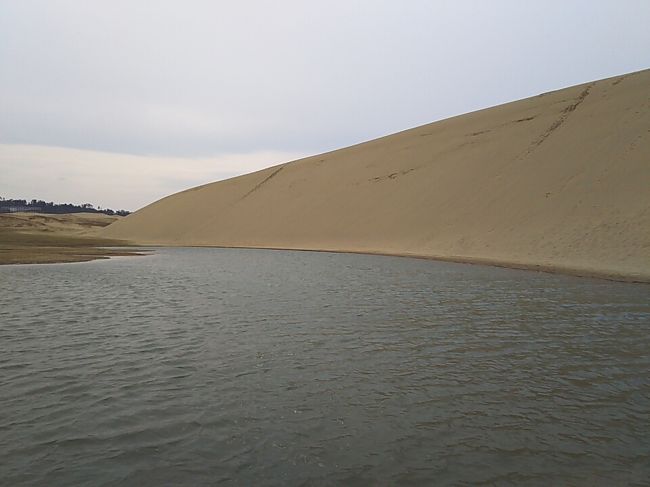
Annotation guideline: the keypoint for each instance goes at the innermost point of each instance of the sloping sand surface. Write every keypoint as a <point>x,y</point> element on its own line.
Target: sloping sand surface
<point>65,224</point>
<point>35,238</point>
<point>560,181</point>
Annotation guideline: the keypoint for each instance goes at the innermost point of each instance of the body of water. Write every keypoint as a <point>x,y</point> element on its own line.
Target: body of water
<point>251,367</point>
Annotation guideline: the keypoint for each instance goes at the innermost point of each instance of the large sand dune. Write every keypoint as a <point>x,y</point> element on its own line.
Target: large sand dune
<point>560,181</point>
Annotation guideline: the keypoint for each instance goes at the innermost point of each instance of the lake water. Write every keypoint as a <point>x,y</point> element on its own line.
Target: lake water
<point>201,366</point>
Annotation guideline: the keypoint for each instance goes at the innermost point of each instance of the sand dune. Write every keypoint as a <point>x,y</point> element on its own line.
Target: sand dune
<point>35,238</point>
<point>68,224</point>
<point>560,181</point>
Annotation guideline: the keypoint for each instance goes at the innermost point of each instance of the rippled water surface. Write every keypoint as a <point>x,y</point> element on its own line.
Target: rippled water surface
<point>201,366</point>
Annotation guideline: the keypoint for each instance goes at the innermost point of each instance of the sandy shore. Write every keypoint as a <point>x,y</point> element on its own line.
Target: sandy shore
<point>555,182</point>
<point>33,238</point>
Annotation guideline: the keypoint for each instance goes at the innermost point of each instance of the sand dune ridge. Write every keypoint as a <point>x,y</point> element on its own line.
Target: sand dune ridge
<point>560,181</point>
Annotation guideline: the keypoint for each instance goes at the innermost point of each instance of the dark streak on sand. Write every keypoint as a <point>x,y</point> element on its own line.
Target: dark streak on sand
<point>273,174</point>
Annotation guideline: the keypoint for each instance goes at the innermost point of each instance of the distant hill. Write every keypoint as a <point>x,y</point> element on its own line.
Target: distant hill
<point>559,181</point>
<point>40,206</point>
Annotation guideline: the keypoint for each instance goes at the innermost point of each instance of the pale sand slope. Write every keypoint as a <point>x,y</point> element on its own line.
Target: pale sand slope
<point>65,224</point>
<point>34,238</point>
<point>559,181</point>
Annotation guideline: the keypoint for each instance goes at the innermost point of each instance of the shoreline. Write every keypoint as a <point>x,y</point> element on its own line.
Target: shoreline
<point>78,255</point>
<point>546,268</point>
<point>60,255</point>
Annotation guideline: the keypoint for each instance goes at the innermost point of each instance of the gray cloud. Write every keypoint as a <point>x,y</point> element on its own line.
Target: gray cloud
<point>203,77</point>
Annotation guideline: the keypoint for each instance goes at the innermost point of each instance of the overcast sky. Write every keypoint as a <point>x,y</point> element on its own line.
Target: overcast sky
<point>121,102</point>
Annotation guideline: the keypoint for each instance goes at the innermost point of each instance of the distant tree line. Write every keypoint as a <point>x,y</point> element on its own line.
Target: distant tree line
<point>40,206</point>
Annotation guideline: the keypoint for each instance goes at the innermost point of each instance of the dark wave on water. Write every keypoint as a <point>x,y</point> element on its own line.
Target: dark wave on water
<point>206,366</point>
